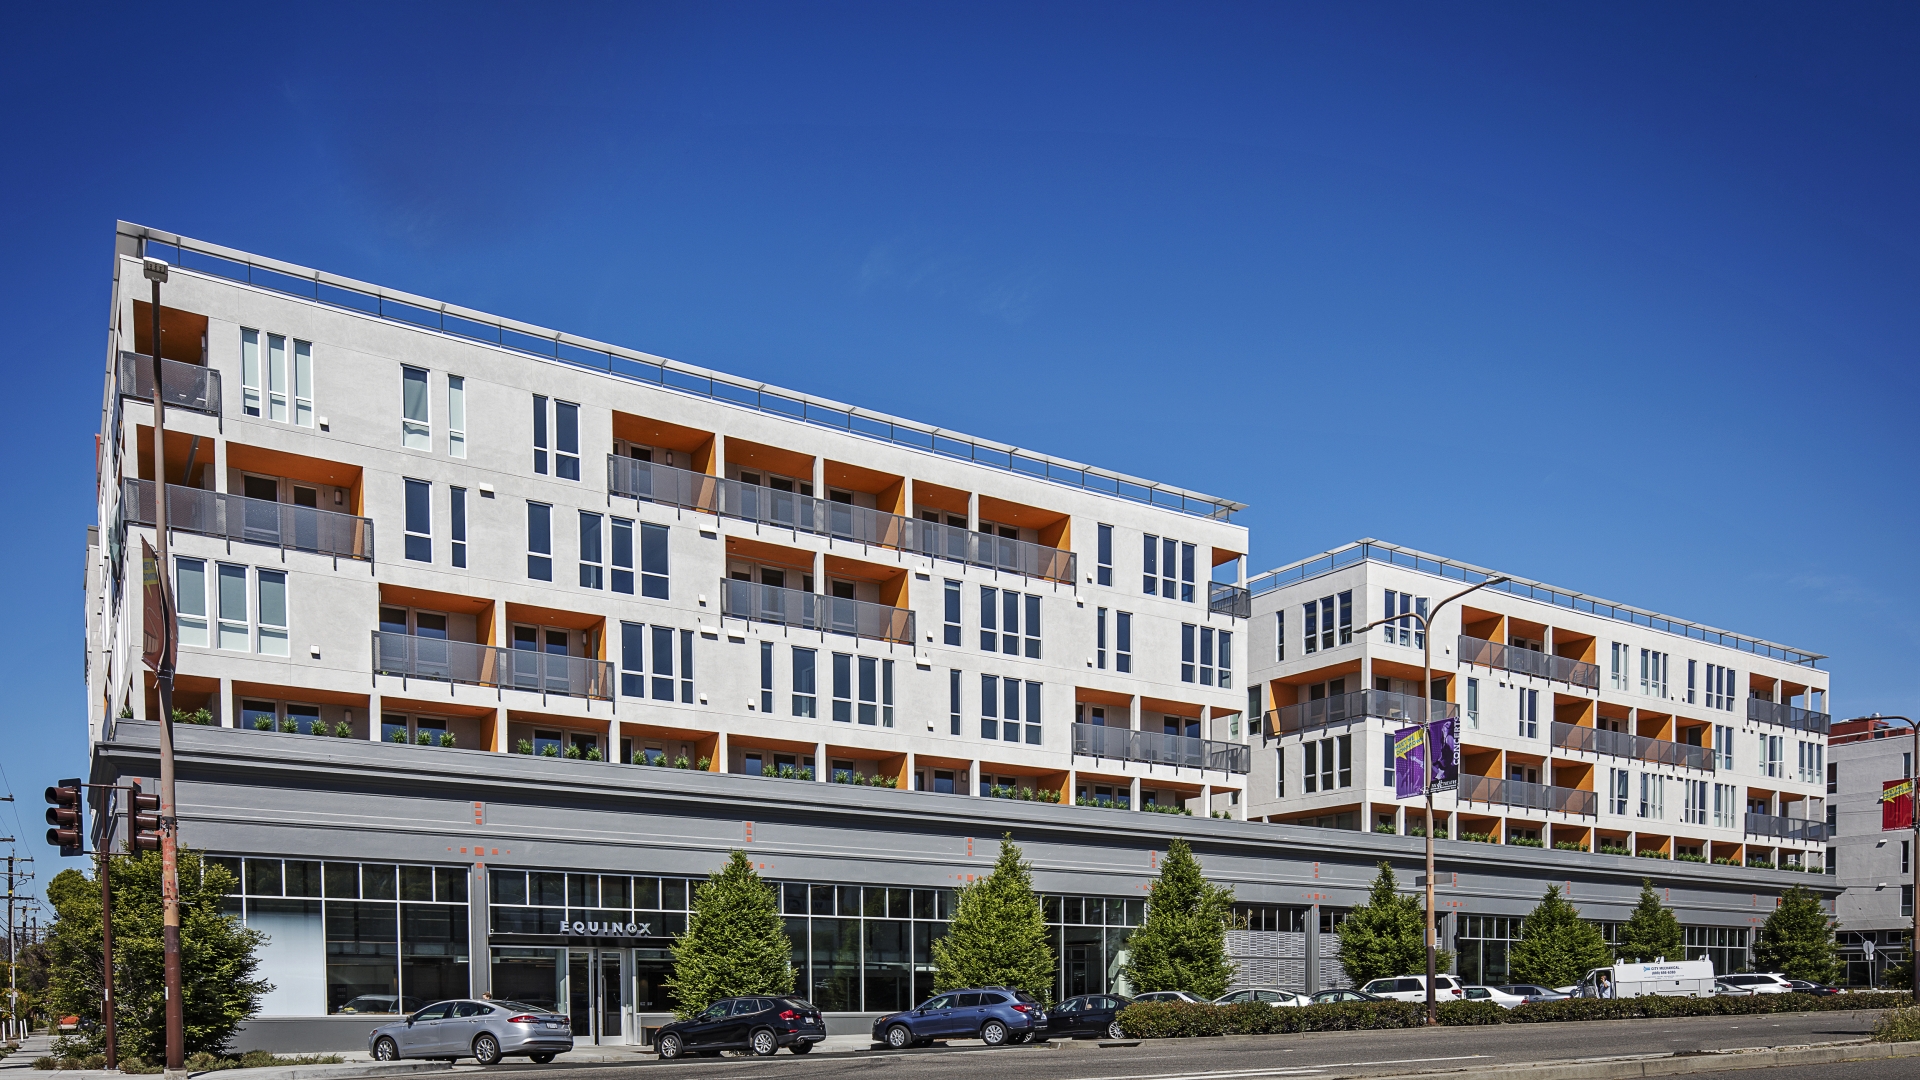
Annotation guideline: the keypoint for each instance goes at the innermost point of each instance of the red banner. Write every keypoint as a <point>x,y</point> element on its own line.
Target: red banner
<point>1896,804</point>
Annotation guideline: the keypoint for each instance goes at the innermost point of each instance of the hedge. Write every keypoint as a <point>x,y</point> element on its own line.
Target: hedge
<point>1176,1020</point>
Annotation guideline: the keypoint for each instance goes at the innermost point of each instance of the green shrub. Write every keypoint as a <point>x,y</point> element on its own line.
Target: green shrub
<point>399,735</point>
<point>1898,1025</point>
<point>525,746</point>
<point>593,753</point>
<point>1179,1020</point>
<point>1388,829</point>
<point>1477,837</point>
<point>550,750</point>
<point>1156,808</point>
<point>1652,854</point>
<point>1614,849</point>
<point>1472,1013</point>
<point>423,737</point>
<point>446,738</point>
<point>1685,857</point>
<point>290,726</point>
<point>1569,845</point>
<point>263,723</point>
<point>198,717</point>
<point>1526,841</point>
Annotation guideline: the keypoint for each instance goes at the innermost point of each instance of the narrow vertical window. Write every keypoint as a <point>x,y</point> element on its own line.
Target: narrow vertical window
<point>869,690</point>
<point>686,667</point>
<point>1123,641</point>
<point>272,610</point>
<point>1206,656</point>
<point>989,707</point>
<point>633,668</point>
<point>250,372</point>
<point>989,622</point>
<point>662,663</point>
<point>951,610</point>
<point>540,434</point>
<point>1103,574</point>
<point>1100,638</point>
<point>1310,767</point>
<point>1226,660</point>
<point>1169,554</point>
<point>1346,617</point>
<point>1010,622</point>
<point>233,608</point>
<point>457,523</point>
<point>456,416</point>
<point>1345,745</point>
<point>1280,771</point>
<point>804,686</point>
<point>953,701</point>
<point>1186,572</point>
<point>1010,710</point>
<point>766,677</point>
<point>886,693</point>
<point>539,541</point>
<point>1692,666</point>
<point>566,440</point>
<point>591,570</point>
<point>1033,627</point>
<point>1033,714</point>
<point>190,600</point>
<point>414,432</point>
<point>1386,759</point>
<point>1280,634</point>
<point>843,687</point>
<point>303,383</point>
<point>277,377</point>
<point>1310,622</point>
<point>1473,703</point>
<point>1149,565</point>
<point>419,521</point>
<point>1186,652</point>
<point>622,555</point>
<point>653,561</point>
<point>1529,714</point>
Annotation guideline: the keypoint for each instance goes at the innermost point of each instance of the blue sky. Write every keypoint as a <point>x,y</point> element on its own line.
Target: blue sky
<point>1621,297</point>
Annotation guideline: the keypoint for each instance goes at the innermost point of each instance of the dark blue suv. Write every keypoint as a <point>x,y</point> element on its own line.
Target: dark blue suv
<point>995,1015</point>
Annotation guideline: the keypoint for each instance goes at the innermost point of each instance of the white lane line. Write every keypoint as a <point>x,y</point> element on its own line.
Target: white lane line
<point>1245,1074</point>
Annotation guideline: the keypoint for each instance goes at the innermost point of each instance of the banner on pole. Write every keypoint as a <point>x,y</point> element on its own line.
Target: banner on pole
<point>1896,804</point>
<point>158,632</point>
<point>1410,750</point>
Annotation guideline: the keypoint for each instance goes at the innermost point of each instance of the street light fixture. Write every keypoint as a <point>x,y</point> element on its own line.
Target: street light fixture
<point>1426,723</point>
<point>1913,944</point>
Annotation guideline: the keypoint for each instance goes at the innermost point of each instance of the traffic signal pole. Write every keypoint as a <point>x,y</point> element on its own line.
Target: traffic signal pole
<point>156,272</point>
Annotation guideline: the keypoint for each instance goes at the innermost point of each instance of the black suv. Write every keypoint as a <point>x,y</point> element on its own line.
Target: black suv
<point>1094,1016</point>
<point>760,1024</point>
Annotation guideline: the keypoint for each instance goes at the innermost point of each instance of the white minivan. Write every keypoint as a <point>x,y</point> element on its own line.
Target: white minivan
<point>1414,988</point>
<point>1767,983</point>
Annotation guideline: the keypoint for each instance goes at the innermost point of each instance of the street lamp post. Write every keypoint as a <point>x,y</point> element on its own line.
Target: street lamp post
<point>1913,944</point>
<point>1426,727</point>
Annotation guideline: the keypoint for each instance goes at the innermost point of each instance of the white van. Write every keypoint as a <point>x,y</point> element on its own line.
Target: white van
<point>1414,988</point>
<point>1677,978</point>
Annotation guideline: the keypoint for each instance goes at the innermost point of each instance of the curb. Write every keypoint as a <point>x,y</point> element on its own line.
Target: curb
<point>343,1071</point>
<point>1682,1064</point>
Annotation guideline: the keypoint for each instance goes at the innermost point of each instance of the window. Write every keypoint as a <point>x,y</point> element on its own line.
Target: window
<point>1720,682</point>
<point>456,416</point>
<point>843,687</point>
<point>1100,638</point>
<point>1123,641</point>
<point>1225,670</point>
<point>457,518</point>
<point>1726,804</point>
<point>250,372</point>
<point>1104,573</point>
<point>663,665</point>
<point>1653,792</point>
<point>1186,572</point>
<point>233,608</point>
<point>1033,714</point>
<point>1280,634</point>
<point>804,701</point>
<point>1773,755</point>
<point>303,383</point>
<point>1149,565</point>
<point>1161,559</point>
<point>1696,809</point>
<point>1618,781</point>
<point>1813,764</point>
<point>1280,772</point>
<point>1473,703</point>
<point>1310,612</point>
<point>1653,673</point>
<point>871,671</point>
<point>1346,617</point>
<point>952,612</point>
<point>1033,627</point>
<point>1000,617</point>
<point>1327,763</point>
<point>653,561</point>
<point>1186,652</point>
<point>566,440</point>
<point>1723,745</point>
<point>414,433</point>
<point>1405,631</point>
<point>1386,759</point>
<point>1833,779</point>
<point>633,669</point>
<point>953,701</point>
<point>620,535</point>
<point>190,600</point>
<point>1001,704</point>
<point>989,706</point>
<point>271,593</point>
<point>1199,659</point>
<point>1529,714</point>
<point>419,536</point>
<point>539,434</point>
<point>277,377</point>
<point>1617,665</point>
<point>539,541</point>
<point>591,570</point>
<point>1692,670</point>
<point>989,624</point>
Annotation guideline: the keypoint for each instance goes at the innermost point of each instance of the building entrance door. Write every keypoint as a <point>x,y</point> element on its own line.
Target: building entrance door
<point>597,995</point>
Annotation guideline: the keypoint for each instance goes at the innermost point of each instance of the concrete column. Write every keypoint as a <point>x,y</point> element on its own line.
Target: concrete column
<point>1133,794</point>
<point>1366,671</point>
<point>1133,713</point>
<point>373,717</point>
<point>720,756</point>
<point>224,713</point>
<point>1206,800</point>
<point>819,478</point>
<point>480,971</point>
<point>613,741</point>
<point>216,477</point>
<point>1073,786</point>
<point>719,454</point>
<point>501,744</point>
<point>973,778</point>
<point>820,762</point>
<point>906,497</point>
<point>906,782</point>
<point>973,511</point>
<point>1313,949</point>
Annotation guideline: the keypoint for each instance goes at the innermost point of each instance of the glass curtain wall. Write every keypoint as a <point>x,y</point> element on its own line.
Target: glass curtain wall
<point>1482,947</point>
<point>1090,939</point>
<point>1726,946</point>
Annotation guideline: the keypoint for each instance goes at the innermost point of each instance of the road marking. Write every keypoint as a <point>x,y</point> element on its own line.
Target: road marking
<point>1248,1074</point>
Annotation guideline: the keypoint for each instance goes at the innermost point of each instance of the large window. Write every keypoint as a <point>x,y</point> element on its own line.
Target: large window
<point>1104,555</point>
<point>1726,946</point>
<point>280,382</point>
<point>1206,655</point>
<point>270,589</point>
<point>419,521</point>
<point>1618,782</point>
<point>1696,809</point>
<point>1007,704</point>
<point>1002,614</point>
<point>457,520</point>
<point>1482,947</point>
<point>1720,687</point>
<point>1653,673</point>
<point>592,570</point>
<point>190,600</point>
<point>805,691</point>
<point>1326,764</point>
<point>1404,630</point>
<point>414,431</point>
<point>539,541</point>
<point>1123,641</point>
<point>951,612</point>
<point>1653,796</point>
<point>668,671</point>
<point>456,416</point>
<point>1529,713</point>
<point>1167,568</point>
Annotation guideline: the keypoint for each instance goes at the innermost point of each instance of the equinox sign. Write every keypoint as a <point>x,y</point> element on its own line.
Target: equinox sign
<point>607,929</point>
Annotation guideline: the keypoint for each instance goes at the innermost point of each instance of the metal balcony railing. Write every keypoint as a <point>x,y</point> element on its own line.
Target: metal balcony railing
<point>1786,828</point>
<point>1627,745</point>
<point>1225,598</point>
<point>1763,711</point>
<point>186,386</point>
<point>995,552</point>
<point>1122,744</point>
<point>812,611</point>
<point>1519,793</point>
<point>440,660</point>
<point>1492,654</point>
<point>1338,708</point>
<point>252,521</point>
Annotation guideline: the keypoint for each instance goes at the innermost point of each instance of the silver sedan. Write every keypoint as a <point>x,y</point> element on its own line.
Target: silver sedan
<point>483,1030</point>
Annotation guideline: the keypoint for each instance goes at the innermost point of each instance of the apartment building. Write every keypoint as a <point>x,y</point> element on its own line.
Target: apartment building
<point>1873,865</point>
<point>1584,724</point>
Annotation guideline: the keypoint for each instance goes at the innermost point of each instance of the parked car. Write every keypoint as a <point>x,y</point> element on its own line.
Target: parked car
<point>995,1015</point>
<point>483,1030</point>
<point>1414,988</point>
<point>1761,983</point>
<point>1264,994</point>
<point>1334,997</point>
<point>757,1023</point>
<point>1168,995</point>
<point>380,1003</point>
<point>1802,986</point>
<point>1494,994</point>
<point>1723,988</point>
<point>1092,1016</point>
<point>1533,992</point>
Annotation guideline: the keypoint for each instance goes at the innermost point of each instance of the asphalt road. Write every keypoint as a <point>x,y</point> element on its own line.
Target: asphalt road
<point>1888,1069</point>
<point>1319,1055</point>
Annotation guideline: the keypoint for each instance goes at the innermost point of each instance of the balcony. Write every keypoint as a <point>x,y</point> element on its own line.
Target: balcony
<point>1786,828</point>
<point>1525,796</point>
<point>186,386</point>
<point>252,521</point>
<point>1339,708</point>
<point>1763,711</point>
<point>812,611</point>
<point>1122,744</point>
<point>1492,654</point>
<point>439,660</point>
<point>1639,747</point>
<point>1224,598</point>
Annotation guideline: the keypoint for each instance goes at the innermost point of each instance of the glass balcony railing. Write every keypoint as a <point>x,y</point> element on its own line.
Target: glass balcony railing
<point>1761,711</point>
<point>812,611</point>
<point>1339,708</point>
<point>186,386</point>
<point>1525,796</point>
<point>1123,744</point>
<point>252,521</point>
<point>1492,654</point>
<point>1627,745</point>
<point>437,659</point>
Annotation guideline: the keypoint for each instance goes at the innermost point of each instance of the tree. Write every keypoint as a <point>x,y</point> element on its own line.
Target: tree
<point>1183,945</point>
<point>735,942</point>
<point>218,957</point>
<point>1652,933</point>
<point>1556,945</point>
<point>1387,935</point>
<point>1797,939</point>
<point>998,936</point>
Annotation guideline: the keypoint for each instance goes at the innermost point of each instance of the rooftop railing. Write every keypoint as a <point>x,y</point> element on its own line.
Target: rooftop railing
<point>1763,711</point>
<point>1226,598</point>
<point>1526,796</point>
<point>1492,654</point>
<point>439,660</point>
<point>1123,744</point>
<point>812,611</point>
<point>1355,705</point>
<point>1627,745</point>
<point>638,367</point>
<point>252,521</point>
<point>1786,828</point>
<point>185,386</point>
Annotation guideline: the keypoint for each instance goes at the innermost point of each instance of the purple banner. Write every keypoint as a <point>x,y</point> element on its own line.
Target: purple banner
<point>1410,758</point>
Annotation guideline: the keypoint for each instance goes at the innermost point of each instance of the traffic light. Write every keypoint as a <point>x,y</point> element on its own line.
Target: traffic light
<point>143,819</point>
<point>64,817</point>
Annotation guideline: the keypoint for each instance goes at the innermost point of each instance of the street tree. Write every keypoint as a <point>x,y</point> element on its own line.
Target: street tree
<point>1556,945</point>
<point>1387,935</point>
<point>1183,944</point>
<point>998,935</point>
<point>735,943</point>
<point>1652,933</point>
<point>1797,939</point>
